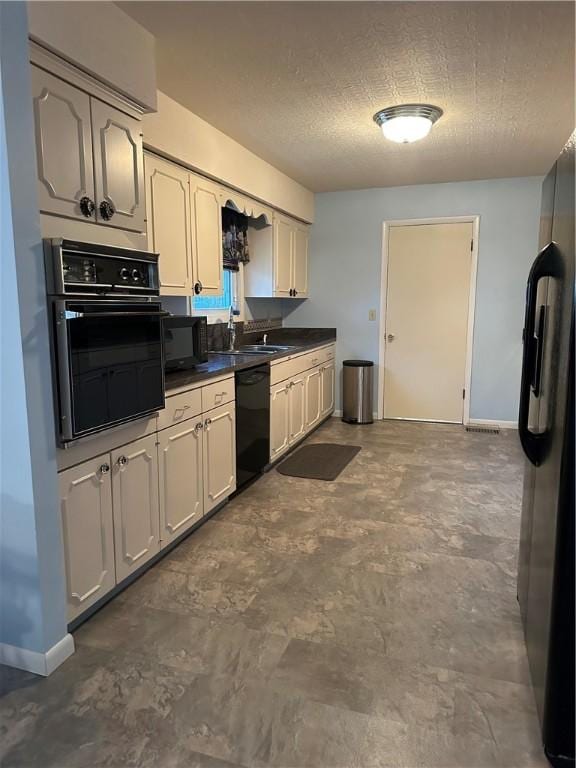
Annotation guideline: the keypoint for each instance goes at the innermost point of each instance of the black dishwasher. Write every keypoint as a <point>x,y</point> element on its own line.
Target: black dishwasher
<point>252,422</point>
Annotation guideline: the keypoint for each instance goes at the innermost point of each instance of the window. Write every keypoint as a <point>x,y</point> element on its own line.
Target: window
<point>217,307</point>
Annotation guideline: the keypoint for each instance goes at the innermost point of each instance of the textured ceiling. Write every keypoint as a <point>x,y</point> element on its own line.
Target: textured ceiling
<point>298,83</point>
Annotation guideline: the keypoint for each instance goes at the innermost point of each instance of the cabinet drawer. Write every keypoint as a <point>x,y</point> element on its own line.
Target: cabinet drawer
<point>328,354</point>
<point>286,369</point>
<point>179,408</point>
<point>217,394</point>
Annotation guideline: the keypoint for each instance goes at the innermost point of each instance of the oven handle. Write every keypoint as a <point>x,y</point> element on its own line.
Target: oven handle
<point>69,315</point>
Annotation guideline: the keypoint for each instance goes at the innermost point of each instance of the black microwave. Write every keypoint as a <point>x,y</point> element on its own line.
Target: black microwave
<point>185,342</point>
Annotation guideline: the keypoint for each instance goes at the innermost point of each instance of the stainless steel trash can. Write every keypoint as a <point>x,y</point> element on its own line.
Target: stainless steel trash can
<point>357,394</point>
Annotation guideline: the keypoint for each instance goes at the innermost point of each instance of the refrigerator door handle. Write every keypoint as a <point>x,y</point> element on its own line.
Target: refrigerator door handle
<point>539,338</point>
<point>548,264</point>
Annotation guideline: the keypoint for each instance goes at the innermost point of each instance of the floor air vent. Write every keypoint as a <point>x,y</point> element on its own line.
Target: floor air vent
<point>485,430</point>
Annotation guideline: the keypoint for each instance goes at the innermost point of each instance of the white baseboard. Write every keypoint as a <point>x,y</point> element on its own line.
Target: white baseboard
<point>492,423</point>
<point>338,414</point>
<point>33,661</point>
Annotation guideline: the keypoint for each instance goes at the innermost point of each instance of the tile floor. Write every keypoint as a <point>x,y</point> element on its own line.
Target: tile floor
<point>363,623</point>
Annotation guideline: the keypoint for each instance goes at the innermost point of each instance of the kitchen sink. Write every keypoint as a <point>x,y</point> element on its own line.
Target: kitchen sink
<point>257,349</point>
<point>268,348</point>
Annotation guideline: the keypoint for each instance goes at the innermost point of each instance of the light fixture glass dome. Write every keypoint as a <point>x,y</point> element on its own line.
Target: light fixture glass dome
<point>406,123</point>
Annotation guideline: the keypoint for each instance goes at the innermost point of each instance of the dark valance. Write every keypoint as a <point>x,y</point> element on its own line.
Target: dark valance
<point>234,239</point>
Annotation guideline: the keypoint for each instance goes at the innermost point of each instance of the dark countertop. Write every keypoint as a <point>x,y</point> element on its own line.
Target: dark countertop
<point>219,364</point>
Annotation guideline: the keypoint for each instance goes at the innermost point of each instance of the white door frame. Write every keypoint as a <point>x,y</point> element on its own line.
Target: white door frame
<point>475,221</point>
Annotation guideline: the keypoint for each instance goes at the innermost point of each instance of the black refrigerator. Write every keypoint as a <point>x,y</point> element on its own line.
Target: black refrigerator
<point>546,428</point>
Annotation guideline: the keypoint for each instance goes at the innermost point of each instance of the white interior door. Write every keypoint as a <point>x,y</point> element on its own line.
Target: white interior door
<point>429,270</point>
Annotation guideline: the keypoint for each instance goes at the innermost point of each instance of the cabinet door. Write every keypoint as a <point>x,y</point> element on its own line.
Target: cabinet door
<point>327,389</point>
<point>63,145</point>
<point>300,261</point>
<point>282,256</point>
<point>168,224</point>
<point>279,419</point>
<point>135,499</point>
<point>297,408</point>
<point>313,397</point>
<point>180,473</point>
<point>86,505</point>
<point>207,236</point>
<point>118,168</point>
<point>219,455</point>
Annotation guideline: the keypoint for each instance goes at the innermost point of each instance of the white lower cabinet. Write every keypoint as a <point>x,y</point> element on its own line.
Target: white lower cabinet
<point>328,384</point>
<point>279,419</point>
<point>302,399</point>
<point>297,408</point>
<point>180,478</point>
<point>86,505</point>
<point>219,455</point>
<point>313,397</point>
<point>135,504</point>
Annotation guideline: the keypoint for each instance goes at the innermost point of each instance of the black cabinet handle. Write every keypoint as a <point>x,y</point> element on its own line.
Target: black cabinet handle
<point>106,210</point>
<point>547,264</point>
<point>295,292</point>
<point>198,287</point>
<point>87,206</point>
<point>291,291</point>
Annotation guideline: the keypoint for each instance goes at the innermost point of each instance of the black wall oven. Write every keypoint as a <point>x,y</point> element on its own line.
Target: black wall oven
<point>107,336</point>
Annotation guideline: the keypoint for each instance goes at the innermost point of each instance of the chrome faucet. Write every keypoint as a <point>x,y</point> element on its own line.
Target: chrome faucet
<point>231,330</point>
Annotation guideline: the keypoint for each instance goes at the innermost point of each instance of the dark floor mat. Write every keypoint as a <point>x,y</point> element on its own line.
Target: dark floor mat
<point>319,461</point>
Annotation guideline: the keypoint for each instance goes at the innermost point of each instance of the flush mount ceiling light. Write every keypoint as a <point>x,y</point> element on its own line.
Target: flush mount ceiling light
<point>407,122</point>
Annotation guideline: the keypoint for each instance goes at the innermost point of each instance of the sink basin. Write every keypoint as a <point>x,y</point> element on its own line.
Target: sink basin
<point>244,352</point>
<point>268,348</point>
<point>257,349</point>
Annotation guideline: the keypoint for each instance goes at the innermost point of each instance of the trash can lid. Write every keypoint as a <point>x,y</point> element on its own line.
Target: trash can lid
<point>358,363</point>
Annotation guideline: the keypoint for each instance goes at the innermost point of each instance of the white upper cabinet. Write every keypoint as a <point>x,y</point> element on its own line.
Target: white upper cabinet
<point>63,147</point>
<point>86,504</point>
<point>180,478</point>
<point>219,455</point>
<point>300,261</point>
<point>135,504</point>
<point>206,236</point>
<point>278,265</point>
<point>283,282</point>
<point>118,168</point>
<point>168,223</point>
<point>90,162</point>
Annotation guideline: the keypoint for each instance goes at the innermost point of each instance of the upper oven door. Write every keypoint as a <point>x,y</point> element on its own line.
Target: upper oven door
<point>110,363</point>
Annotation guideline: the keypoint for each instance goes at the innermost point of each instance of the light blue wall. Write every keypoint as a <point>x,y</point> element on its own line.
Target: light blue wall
<point>32,586</point>
<point>345,264</point>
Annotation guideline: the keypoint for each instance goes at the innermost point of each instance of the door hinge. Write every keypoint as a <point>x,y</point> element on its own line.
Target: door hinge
<point>463,394</point>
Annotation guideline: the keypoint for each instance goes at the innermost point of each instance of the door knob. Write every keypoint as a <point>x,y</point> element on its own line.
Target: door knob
<point>104,469</point>
<point>122,461</point>
<point>391,337</point>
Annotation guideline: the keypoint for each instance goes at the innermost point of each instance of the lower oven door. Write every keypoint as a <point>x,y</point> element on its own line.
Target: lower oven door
<point>110,363</point>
